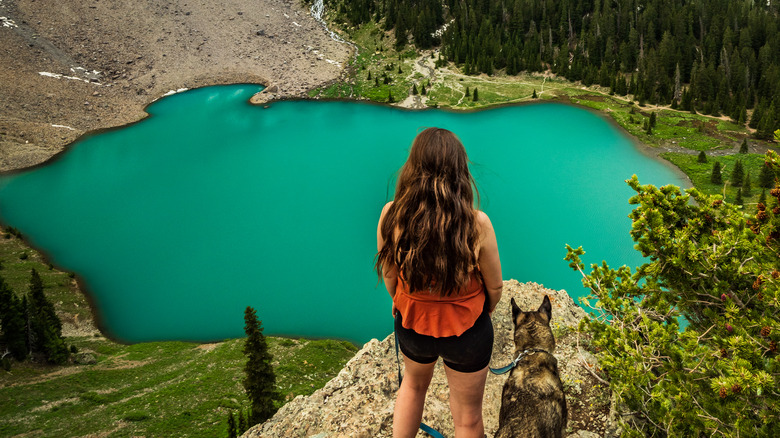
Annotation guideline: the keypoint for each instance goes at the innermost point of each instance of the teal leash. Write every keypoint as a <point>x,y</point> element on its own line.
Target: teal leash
<point>514,363</point>
<point>423,427</point>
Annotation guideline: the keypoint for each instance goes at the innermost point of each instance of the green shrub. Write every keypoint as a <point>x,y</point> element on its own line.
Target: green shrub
<point>286,342</point>
<point>136,416</point>
<point>229,403</point>
<point>94,397</point>
<point>715,266</point>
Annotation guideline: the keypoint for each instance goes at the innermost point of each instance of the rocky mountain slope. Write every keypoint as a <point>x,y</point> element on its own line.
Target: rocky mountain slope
<point>69,67</point>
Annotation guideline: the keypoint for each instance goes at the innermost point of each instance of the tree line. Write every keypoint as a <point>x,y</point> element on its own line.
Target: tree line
<point>718,57</point>
<point>29,325</point>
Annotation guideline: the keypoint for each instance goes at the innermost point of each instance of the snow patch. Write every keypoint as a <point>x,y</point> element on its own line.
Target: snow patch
<point>172,92</point>
<point>93,75</point>
<point>63,126</point>
<point>72,78</point>
<point>7,22</point>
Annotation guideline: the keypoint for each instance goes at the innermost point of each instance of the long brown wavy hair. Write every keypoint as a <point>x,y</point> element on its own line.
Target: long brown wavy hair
<point>430,231</point>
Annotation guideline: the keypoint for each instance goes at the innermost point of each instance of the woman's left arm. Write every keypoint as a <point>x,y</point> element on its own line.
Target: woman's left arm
<point>489,262</point>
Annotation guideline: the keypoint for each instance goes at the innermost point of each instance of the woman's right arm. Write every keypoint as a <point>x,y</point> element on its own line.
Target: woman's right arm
<point>489,262</point>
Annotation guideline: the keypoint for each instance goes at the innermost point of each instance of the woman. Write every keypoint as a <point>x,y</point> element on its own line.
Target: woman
<point>439,260</point>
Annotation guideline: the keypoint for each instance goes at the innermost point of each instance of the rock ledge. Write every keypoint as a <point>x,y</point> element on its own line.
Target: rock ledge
<point>359,401</point>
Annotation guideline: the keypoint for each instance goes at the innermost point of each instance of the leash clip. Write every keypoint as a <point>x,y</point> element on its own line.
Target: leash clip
<point>516,361</point>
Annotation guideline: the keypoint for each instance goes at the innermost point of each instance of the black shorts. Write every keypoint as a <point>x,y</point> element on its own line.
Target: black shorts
<point>467,353</point>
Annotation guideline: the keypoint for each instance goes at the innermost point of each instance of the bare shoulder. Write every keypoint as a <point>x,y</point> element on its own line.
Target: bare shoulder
<point>484,221</point>
<point>384,209</point>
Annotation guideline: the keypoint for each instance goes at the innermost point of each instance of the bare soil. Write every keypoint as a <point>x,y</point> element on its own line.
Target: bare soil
<point>105,60</point>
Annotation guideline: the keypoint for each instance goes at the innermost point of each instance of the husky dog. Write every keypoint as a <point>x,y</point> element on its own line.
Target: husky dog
<point>533,404</point>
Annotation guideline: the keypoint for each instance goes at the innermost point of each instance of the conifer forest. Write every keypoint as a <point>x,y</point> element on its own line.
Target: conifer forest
<point>716,57</point>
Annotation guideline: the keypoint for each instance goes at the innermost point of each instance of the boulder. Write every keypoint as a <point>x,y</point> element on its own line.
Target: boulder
<point>84,358</point>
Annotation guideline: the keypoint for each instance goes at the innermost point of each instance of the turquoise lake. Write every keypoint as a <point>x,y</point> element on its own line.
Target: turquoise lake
<point>178,222</point>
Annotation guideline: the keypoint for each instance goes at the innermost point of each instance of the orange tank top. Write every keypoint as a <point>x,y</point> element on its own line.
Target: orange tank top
<point>433,315</point>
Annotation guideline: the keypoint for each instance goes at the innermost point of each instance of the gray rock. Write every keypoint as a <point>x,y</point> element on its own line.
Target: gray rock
<point>584,434</point>
<point>85,358</point>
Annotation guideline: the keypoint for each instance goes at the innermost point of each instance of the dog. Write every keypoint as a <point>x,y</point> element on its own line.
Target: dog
<point>533,404</point>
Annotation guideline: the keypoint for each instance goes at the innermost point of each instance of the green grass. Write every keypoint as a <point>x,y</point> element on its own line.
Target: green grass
<point>700,173</point>
<point>156,389</point>
<point>148,389</point>
<point>376,54</point>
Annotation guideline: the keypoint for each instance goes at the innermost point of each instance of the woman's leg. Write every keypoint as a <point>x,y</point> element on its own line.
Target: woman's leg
<point>411,398</point>
<point>466,391</point>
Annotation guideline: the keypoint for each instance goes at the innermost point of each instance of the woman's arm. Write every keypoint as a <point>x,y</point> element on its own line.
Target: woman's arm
<point>389,270</point>
<point>489,262</point>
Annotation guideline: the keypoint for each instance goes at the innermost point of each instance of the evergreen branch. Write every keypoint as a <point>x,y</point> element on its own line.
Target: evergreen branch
<point>583,362</point>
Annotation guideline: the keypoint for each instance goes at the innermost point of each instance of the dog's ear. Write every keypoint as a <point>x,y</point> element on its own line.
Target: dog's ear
<point>515,310</point>
<point>546,307</point>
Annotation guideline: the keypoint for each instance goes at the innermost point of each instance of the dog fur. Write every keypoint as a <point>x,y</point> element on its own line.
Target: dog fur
<point>533,404</point>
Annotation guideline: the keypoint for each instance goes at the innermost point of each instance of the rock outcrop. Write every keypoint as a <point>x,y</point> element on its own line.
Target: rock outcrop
<point>359,401</point>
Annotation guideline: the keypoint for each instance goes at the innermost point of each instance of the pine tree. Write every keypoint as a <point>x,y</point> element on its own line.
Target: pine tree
<point>738,174</point>
<point>652,121</point>
<point>369,76</point>
<point>744,148</point>
<point>468,94</point>
<point>399,70</point>
<point>46,326</point>
<point>376,81</point>
<point>534,96</point>
<point>765,126</point>
<point>742,116</point>
<point>414,89</point>
<point>390,96</point>
<point>242,422</point>
<point>12,323</point>
<point>476,95</point>
<point>423,91</point>
<point>766,178</point>
<point>755,118</point>
<point>747,186</point>
<point>232,427</point>
<point>702,157</point>
<point>260,380</point>
<point>738,200</point>
<point>762,197</point>
<point>716,177</point>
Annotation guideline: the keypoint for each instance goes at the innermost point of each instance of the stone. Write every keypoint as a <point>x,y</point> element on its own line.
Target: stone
<point>584,434</point>
<point>85,358</point>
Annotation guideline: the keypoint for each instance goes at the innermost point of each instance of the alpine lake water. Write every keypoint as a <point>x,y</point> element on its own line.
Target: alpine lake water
<point>178,222</point>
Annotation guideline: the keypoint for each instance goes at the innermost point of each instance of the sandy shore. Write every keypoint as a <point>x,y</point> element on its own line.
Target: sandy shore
<point>70,67</point>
